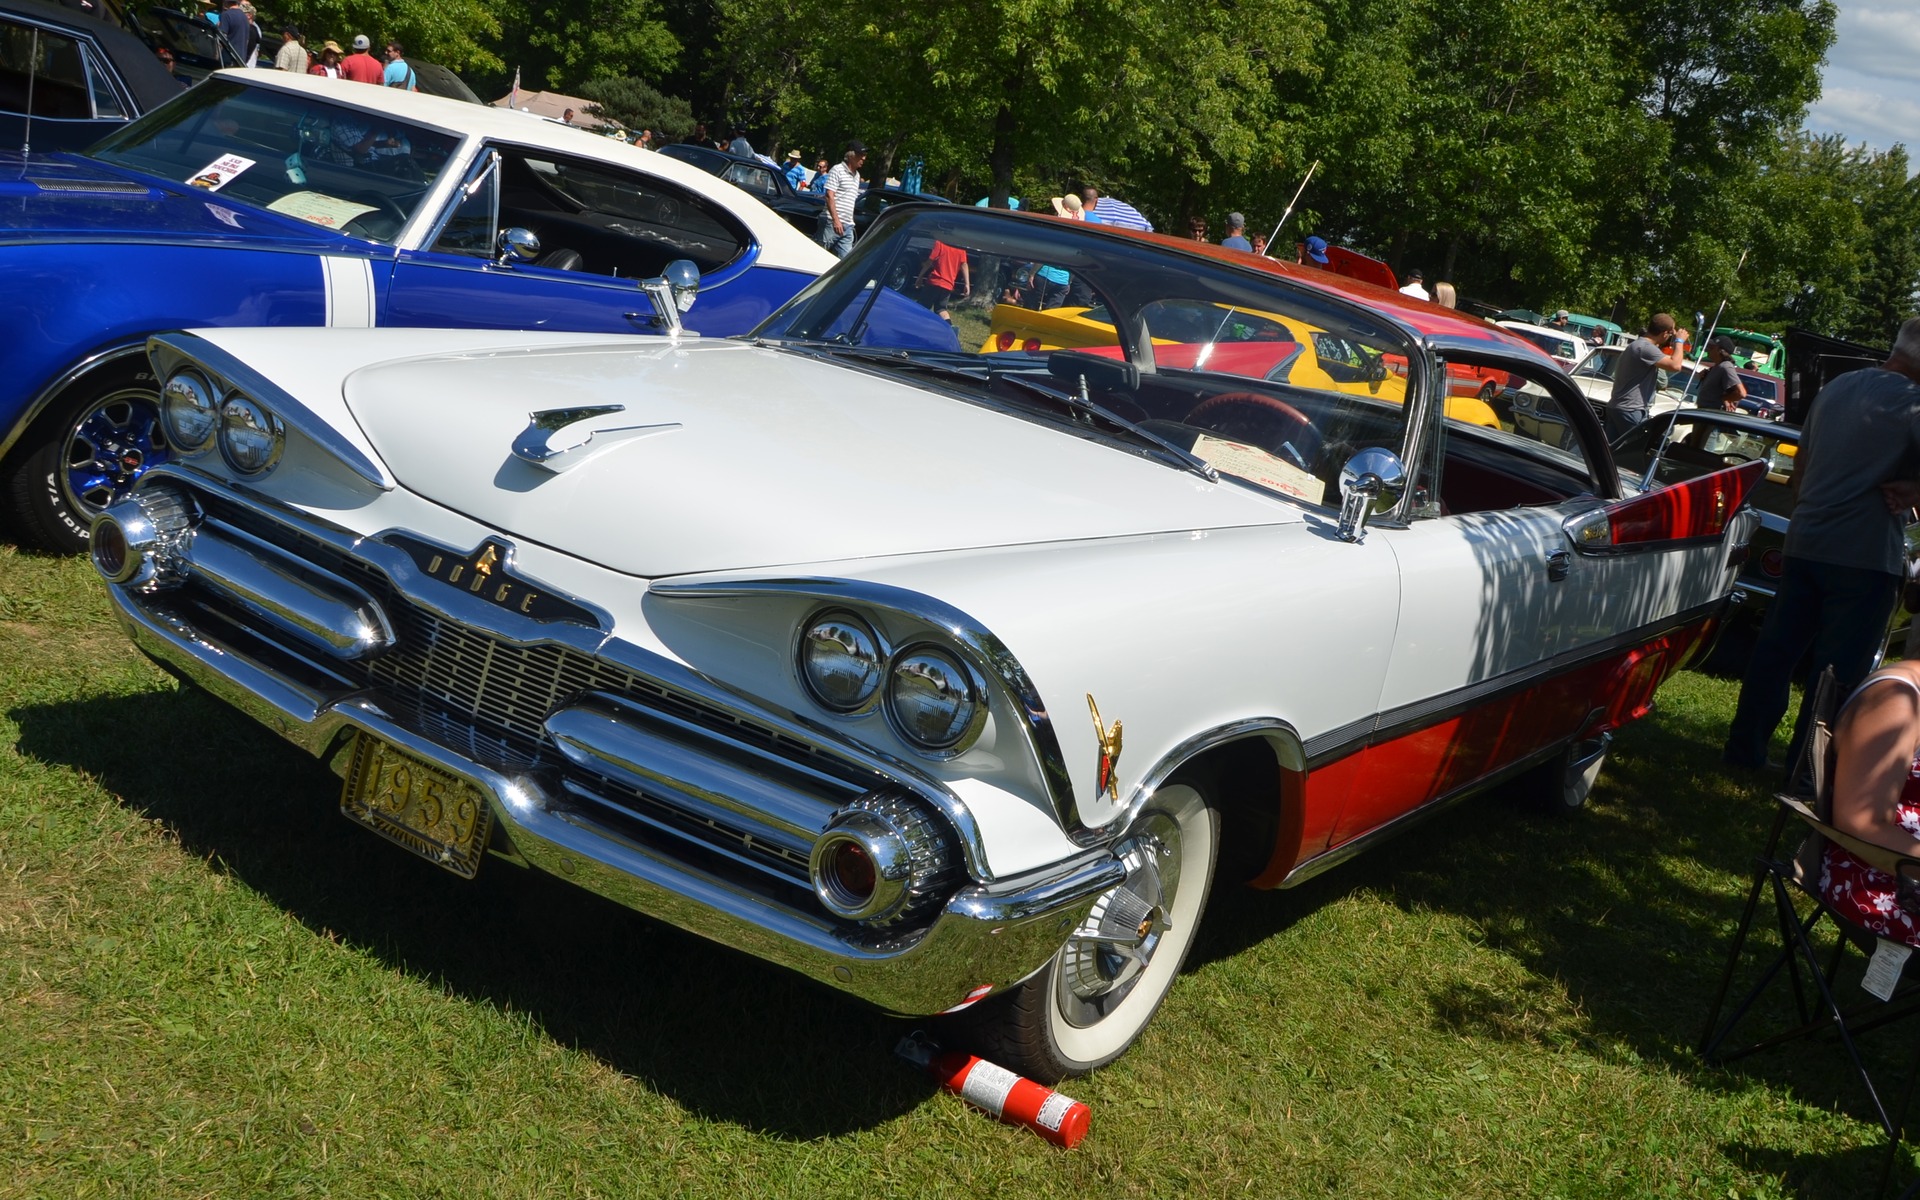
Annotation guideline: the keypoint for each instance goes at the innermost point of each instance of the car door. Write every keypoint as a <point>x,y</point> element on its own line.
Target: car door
<point>602,229</point>
<point>1524,615</point>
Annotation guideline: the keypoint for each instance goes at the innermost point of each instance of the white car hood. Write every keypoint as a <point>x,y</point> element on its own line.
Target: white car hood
<point>757,458</point>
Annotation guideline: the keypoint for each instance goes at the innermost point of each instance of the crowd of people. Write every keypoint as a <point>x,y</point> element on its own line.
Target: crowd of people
<point>239,25</point>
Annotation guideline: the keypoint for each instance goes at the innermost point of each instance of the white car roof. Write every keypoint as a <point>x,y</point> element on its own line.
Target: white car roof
<point>1572,335</point>
<point>781,245</point>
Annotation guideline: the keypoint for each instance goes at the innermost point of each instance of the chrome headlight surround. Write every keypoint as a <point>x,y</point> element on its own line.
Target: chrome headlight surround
<point>251,437</point>
<point>190,412</point>
<point>841,660</point>
<point>934,700</point>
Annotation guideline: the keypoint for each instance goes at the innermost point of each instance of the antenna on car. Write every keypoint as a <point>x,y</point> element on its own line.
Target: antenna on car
<point>1290,204</point>
<point>33,71</point>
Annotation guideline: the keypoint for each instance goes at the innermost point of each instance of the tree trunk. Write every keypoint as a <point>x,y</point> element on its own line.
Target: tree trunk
<point>1001,159</point>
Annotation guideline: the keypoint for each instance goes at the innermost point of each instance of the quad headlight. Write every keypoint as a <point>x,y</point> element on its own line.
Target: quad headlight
<point>841,661</point>
<point>189,411</point>
<point>931,698</point>
<point>251,437</point>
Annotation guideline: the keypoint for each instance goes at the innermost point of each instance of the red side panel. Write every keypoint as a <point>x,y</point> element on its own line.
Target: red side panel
<point>1379,783</point>
<point>1695,508</point>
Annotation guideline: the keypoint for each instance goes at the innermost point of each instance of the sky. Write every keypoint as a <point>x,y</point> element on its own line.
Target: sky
<point>1870,90</point>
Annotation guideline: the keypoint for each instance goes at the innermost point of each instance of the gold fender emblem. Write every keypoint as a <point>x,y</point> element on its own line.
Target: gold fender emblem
<point>1106,778</point>
<point>483,567</point>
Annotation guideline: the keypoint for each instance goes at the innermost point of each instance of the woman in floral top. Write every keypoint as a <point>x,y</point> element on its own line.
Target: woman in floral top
<point>1876,797</point>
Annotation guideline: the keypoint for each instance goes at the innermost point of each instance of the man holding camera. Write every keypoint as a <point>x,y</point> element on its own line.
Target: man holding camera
<point>1636,377</point>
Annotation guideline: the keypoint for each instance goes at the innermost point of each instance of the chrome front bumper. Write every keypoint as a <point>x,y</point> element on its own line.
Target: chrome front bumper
<point>986,937</point>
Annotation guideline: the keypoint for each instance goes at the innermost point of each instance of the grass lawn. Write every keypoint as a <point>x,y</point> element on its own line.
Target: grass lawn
<point>212,985</point>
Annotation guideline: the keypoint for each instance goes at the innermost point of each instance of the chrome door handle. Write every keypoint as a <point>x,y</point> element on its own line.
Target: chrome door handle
<point>1559,566</point>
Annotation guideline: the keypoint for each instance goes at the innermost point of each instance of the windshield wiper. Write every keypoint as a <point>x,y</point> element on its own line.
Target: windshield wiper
<point>1170,453</point>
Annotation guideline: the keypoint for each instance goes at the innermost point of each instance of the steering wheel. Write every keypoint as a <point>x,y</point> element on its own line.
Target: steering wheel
<point>1294,430</point>
<point>387,207</point>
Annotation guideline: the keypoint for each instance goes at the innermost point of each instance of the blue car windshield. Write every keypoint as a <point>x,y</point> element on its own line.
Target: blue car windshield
<point>339,167</point>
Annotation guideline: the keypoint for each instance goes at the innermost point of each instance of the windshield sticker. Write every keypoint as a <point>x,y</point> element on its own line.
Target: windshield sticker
<point>1256,466</point>
<point>320,208</point>
<point>225,216</point>
<point>220,172</point>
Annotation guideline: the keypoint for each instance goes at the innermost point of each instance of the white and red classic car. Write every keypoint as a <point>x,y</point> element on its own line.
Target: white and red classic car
<point>952,680</point>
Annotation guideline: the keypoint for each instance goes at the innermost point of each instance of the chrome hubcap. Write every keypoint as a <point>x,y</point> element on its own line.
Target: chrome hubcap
<point>111,447</point>
<point>1106,955</point>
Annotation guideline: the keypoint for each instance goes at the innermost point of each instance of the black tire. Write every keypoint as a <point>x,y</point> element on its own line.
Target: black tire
<point>1489,392</point>
<point>83,454</point>
<point>1059,1022</point>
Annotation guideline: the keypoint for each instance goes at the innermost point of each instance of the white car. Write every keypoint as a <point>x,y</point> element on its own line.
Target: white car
<point>948,676</point>
<point>1564,346</point>
<point>1594,378</point>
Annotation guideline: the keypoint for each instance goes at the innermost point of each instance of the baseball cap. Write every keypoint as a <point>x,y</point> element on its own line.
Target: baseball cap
<point>857,146</point>
<point>1317,249</point>
<point>1236,221</point>
<point>1415,275</point>
<point>360,41</point>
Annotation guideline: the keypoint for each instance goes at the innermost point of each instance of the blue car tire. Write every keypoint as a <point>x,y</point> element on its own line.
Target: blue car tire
<point>83,455</point>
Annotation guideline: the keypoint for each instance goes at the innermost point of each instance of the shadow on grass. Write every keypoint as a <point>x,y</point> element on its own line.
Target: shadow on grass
<point>1628,908</point>
<point>721,1033</point>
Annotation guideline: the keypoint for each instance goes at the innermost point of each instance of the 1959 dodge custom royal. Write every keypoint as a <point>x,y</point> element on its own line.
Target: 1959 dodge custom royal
<point>952,680</point>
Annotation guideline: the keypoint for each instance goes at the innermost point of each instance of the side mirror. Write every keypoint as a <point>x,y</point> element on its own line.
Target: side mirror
<point>1371,482</point>
<point>517,245</point>
<point>673,292</point>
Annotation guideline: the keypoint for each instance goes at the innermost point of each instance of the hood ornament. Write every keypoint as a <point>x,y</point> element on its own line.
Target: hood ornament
<point>559,439</point>
<point>1106,780</point>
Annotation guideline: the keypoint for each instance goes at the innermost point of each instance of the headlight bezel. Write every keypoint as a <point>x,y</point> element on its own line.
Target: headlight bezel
<point>266,423</point>
<point>890,653</point>
<point>170,421</point>
<point>966,731</point>
<point>882,656</point>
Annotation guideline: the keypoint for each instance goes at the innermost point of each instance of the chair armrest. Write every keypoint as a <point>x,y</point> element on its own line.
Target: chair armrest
<point>1871,853</point>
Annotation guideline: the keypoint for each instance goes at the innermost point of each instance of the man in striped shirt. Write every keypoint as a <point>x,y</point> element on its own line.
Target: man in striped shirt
<point>843,188</point>
<point>1113,212</point>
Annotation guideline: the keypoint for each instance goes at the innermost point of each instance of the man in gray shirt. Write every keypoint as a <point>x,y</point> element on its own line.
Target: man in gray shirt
<point>1855,477</point>
<point>1660,347</point>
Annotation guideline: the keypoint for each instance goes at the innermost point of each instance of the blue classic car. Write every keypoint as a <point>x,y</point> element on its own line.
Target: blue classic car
<point>263,198</point>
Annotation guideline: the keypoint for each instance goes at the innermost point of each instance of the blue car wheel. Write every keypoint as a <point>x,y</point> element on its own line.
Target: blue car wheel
<point>87,461</point>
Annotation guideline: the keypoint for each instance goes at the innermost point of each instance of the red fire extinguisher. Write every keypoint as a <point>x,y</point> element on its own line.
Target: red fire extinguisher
<point>1058,1118</point>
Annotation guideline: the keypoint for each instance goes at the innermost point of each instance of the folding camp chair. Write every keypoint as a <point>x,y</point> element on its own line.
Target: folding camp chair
<point>1797,876</point>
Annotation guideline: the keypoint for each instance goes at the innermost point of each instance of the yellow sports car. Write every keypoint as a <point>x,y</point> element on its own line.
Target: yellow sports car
<point>1198,336</point>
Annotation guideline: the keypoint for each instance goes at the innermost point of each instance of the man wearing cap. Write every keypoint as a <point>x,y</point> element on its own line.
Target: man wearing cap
<point>1317,253</point>
<point>1562,319</point>
<point>796,171</point>
<point>1636,376</point>
<point>1416,285</point>
<point>360,66</point>
<point>843,189</point>
<point>292,56</point>
<point>1720,385</point>
<point>1236,238</point>
<point>740,145</point>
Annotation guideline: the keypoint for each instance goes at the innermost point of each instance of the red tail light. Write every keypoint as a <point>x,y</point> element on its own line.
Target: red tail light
<point>1030,345</point>
<point>1004,339</point>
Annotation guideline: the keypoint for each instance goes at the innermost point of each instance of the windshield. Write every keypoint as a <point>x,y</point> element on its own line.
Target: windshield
<point>1271,383</point>
<point>339,167</point>
<point>1553,344</point>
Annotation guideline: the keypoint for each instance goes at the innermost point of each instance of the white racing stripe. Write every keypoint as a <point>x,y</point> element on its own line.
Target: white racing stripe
<point>349,288</point>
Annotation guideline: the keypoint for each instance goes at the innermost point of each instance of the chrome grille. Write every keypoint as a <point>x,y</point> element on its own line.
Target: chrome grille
<point>487,698</point>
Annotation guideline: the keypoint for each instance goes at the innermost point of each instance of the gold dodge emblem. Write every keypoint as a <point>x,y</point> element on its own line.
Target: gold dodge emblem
<point>1106,780</point>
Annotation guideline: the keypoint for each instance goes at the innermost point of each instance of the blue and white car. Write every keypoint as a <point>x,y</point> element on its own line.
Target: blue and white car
<point>265,198</point>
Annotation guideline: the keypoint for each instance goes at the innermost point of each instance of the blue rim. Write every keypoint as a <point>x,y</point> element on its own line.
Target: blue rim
<point>116,443</point>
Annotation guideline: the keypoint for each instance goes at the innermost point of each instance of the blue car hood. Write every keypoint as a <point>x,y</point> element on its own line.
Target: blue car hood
<point>69,197</point>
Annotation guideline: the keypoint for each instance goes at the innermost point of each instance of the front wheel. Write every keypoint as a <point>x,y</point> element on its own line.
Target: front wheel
<point>1092,999</point>
<point>75,464</point>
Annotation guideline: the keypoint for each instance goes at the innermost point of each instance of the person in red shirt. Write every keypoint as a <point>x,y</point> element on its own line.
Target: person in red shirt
<point>360,66</point>
<point>945,266</point>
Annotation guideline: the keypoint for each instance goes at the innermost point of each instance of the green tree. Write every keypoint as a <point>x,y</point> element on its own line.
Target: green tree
<point>559,47</point>
<point>638,105</point>
<point>460,34</point>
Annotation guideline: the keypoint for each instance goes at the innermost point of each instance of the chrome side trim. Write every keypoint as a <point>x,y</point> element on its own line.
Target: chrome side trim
<point>988,934</point>
<point>334,617</point>
<point>169,351</point>
<point>44,399</point>
<point>989,653</point>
